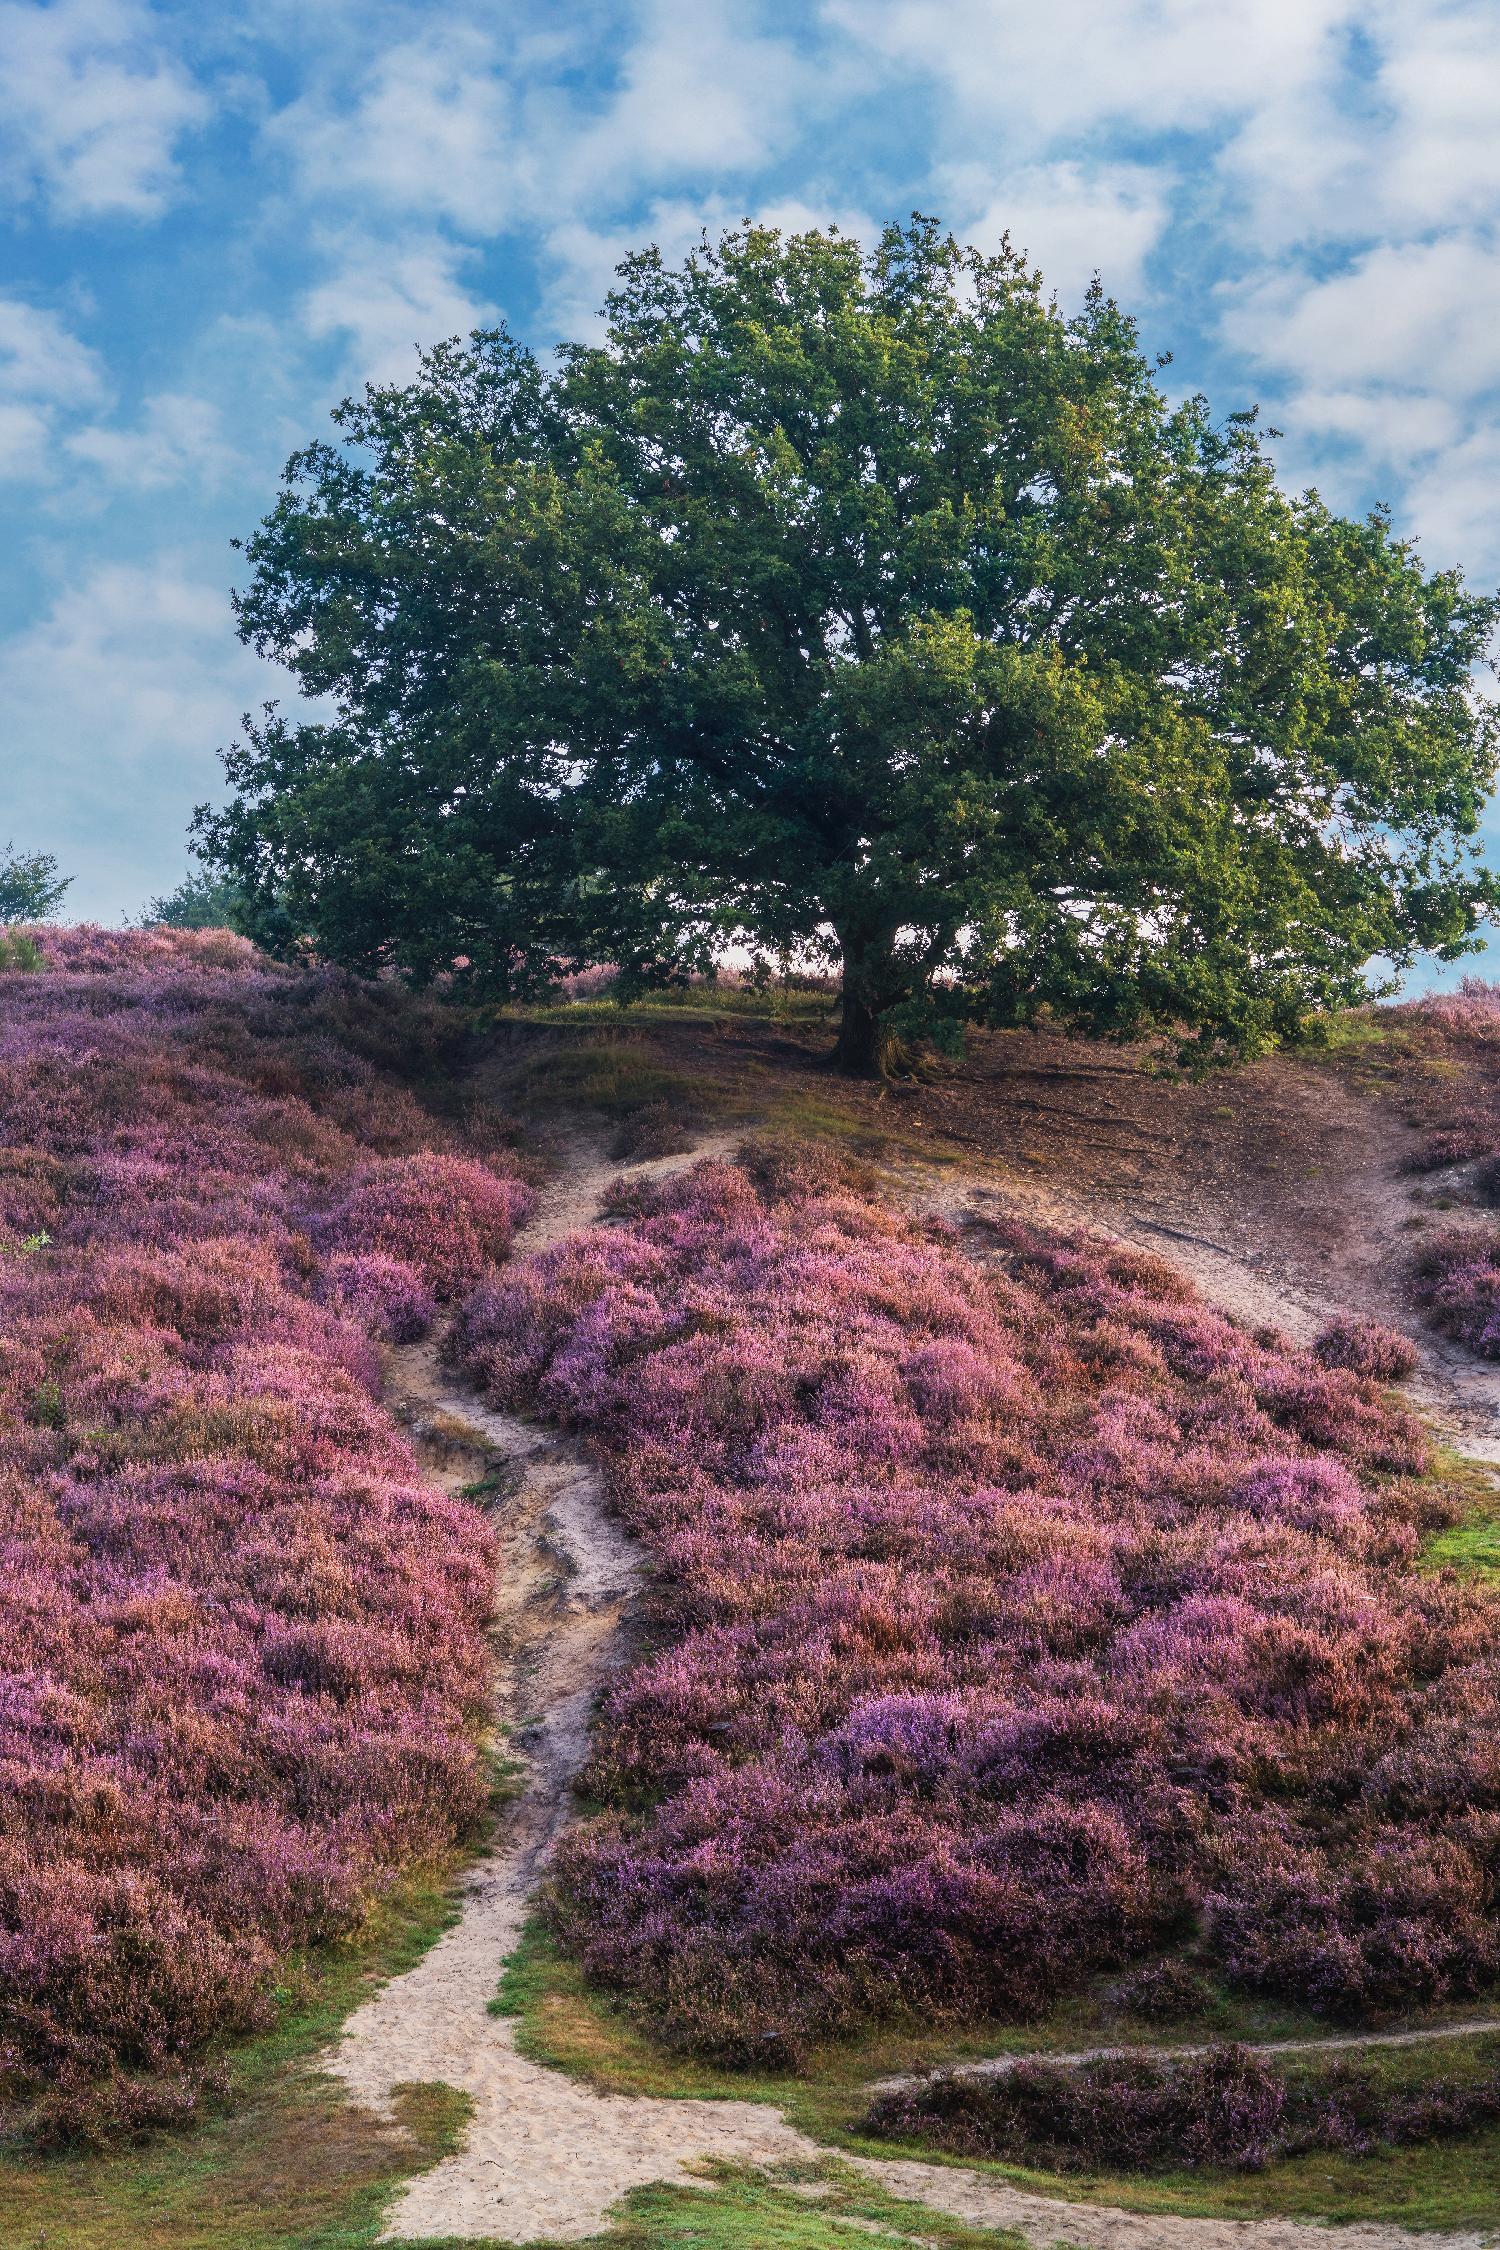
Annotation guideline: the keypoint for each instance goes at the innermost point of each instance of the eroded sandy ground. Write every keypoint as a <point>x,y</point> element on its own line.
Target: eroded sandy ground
<point>544,2155</point>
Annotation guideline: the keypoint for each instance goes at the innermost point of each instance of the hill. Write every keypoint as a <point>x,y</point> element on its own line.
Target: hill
<point>1020,1633</point>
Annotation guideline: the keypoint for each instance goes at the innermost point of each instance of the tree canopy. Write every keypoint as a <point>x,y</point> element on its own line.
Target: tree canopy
<point>863,608</point>
<point>31,890</point>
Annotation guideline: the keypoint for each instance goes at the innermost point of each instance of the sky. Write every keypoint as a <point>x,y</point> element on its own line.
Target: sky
<point>220,220</point>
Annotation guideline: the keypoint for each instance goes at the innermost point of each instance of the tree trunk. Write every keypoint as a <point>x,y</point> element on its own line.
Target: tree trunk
<point>866,1049</point>
<point>863,1050</point>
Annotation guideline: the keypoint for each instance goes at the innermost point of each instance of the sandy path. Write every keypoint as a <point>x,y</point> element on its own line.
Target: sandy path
<point>545,2155</point>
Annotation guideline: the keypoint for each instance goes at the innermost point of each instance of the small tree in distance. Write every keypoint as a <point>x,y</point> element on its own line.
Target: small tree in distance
<point>203,900</point>
<point>31,890</point>
<point>863,608</point>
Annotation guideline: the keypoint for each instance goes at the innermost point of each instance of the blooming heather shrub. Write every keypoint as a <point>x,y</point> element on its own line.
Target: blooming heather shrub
<point>1227,2109</point>
<point>448,1217</point>
<point>1011,1623</point>
<point>86,948</point>
<point>1457,1278</point>
<point>1367,1347</point>
<point>242,1660</point>
<point>1458,1101</point>
<point>1162,1992</point>
<point>385,1295</point>
<point>592,983</point>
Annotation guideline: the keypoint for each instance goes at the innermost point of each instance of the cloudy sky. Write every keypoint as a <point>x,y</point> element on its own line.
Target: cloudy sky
<point>216,228</point>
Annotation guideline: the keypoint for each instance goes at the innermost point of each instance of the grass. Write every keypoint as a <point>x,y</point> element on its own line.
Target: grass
<point>590,1058</point>
<point>562,2022</point>
<point>834,2209</point>
<point>1448,2184</point>
<point>777,1004</point>
<point>612,1075</point>
<point>1472,1545</point>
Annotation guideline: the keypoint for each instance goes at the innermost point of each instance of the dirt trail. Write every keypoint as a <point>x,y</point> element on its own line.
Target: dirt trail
<point>545,2155</point>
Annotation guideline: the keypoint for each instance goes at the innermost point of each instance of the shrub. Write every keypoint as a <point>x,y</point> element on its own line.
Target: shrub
<point>385,1295</point>
<point>242,1642</point>
<point>655,1129</point>
<point>1162,1992</point>
<point>1457,1278</point>
<point>1002,1616</point>
<point>1445,1057</point>
<point>1227,2108</point>
<point>448,1217</point>
<point>1366,1347</point>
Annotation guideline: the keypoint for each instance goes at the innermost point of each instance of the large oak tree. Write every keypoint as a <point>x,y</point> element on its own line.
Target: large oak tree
<point>865,608</point>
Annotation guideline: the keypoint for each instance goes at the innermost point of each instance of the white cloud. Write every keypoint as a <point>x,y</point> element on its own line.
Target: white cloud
<point>1420,315</point>
<point>430,132</point>
<point>92,107</point>
<point>458,131</point>
<point>1298,170</point>
<point>1453,500</point>
<point>388,298</point>
<point>1049,72</point>
<point>116,701</point>
<point>697,95</point>
<point>1071,219</point>
<point>44,371</point>
<point>178,439</point>
<point>25,440</point>
<point>1389,427</point>
<point>1441,80</point>
<point>1403,147</point>
<point>41,357</point>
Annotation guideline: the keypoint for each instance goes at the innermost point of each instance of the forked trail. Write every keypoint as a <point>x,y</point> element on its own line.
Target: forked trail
<point>544,2155</point>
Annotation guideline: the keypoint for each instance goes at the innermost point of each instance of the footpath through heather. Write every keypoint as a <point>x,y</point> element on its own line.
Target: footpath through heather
<point>545,2156</point>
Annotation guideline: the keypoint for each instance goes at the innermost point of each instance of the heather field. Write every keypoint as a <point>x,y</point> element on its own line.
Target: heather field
<point>1013,1625</point>
<point>1019,1628</point>
<point>244,1657</point>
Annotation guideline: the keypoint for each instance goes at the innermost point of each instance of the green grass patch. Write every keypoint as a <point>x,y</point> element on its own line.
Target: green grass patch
<point>550,1078</point>
<point>611,1075</point>
<point>775,1004</point>
<point>1449,2184</point>
<point>834,2209</point>
<point>1472,1546</point>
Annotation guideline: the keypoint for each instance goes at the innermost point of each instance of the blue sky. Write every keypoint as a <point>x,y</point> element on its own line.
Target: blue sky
<point>220,220</point>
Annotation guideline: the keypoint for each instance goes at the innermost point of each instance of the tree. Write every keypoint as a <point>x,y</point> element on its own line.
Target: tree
<point>860,609</point>
<point>31,890</point>
<point>203,900</point>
